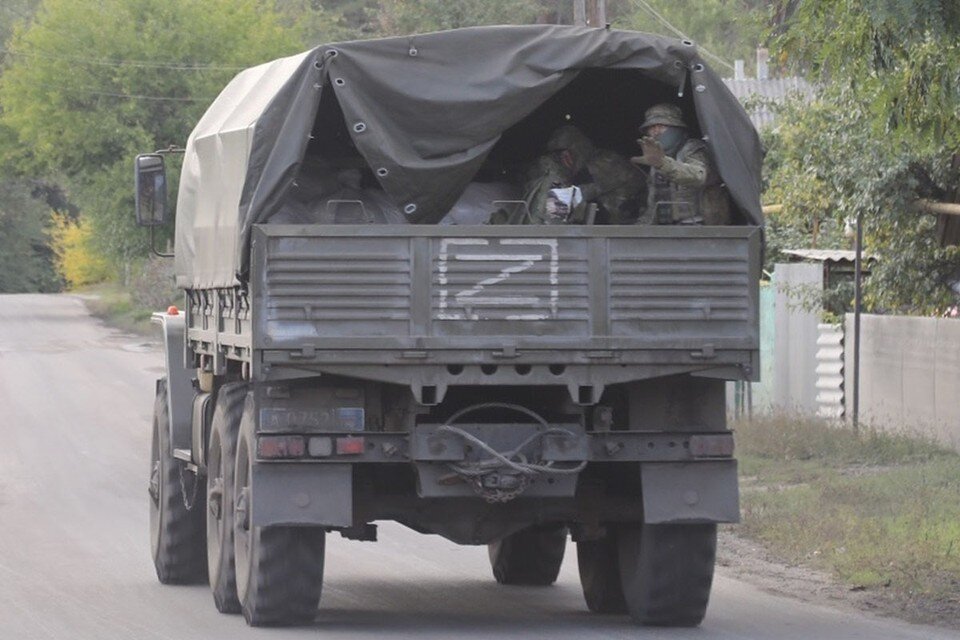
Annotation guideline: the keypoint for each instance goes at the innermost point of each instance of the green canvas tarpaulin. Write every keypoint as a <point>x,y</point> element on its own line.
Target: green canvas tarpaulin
<point>424,112</point>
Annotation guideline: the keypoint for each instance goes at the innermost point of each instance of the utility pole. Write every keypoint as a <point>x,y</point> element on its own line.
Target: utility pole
<point>580,13</point>
<point>590,13</point>
<point>857,309</point>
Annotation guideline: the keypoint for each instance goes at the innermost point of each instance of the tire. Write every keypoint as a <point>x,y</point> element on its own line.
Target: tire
<point>599,567</point>
<point>279,569</point>
<point>176,532</point>
<point>222,453</point>
<point>666,572</point>
<point>530,557</point>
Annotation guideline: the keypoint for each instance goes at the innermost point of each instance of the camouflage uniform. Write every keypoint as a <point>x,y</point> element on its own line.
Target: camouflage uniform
<point>616,185</point>
<point>546,174</point>
<point>686,188</point>
<point>604,177</point>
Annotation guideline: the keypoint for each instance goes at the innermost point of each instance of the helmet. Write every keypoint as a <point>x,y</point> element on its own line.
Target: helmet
<point>663,113</point>
<point>568,137</point>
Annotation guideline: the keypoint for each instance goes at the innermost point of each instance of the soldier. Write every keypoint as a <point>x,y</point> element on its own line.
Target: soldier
<point>683,186</point>
<point>600,176</point>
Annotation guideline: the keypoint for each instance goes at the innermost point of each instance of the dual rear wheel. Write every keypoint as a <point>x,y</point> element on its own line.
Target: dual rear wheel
<point>659,574</point>
<point>279,570</point>
<point>203,531</point>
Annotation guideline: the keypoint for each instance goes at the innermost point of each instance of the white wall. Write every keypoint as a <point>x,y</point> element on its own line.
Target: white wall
<point>909,374</point>
<point>797,289</point>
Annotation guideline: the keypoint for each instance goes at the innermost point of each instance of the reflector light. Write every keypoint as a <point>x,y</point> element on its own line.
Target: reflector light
<point>281,447</point>
<point>350,446</point>
<point>320,447</point>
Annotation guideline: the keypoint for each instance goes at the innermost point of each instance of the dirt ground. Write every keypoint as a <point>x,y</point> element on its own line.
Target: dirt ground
<point>750,562</point>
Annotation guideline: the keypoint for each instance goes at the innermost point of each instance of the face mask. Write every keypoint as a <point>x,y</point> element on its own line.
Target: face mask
<point>671,139</point>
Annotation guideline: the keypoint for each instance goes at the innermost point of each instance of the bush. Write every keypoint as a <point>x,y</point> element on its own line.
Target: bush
<point>152,284</point>
<point>77,260</point>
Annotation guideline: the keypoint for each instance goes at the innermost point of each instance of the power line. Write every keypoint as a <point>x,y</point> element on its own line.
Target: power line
<point>644,5</point>
<point>143,64</point>
<point>130,96</point>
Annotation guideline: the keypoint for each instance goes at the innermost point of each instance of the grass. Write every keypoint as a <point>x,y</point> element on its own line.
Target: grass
<point>878,510</point>
<point>115,306</point>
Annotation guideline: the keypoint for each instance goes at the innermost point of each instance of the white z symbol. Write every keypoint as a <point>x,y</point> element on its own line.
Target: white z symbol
<point>470,299</point>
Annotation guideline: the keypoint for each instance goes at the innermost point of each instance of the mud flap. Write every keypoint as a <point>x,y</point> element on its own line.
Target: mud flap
<point>180,391</point>
<point>307,494</point>
<point>690,492</point>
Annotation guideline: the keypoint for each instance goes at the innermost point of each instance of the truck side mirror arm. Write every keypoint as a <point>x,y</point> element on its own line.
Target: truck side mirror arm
<point>150,192</point>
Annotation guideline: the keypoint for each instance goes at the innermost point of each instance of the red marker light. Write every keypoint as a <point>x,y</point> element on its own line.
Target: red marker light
<point>350,446</point>
<point>172,310</point>
<point>281,447</point>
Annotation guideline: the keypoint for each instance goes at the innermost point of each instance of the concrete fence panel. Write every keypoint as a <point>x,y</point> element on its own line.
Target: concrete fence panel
<point>798,288</point>
<point>909,374</point>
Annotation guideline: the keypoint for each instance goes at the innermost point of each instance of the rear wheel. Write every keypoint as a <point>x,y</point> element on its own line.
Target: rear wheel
<point>279,569</point>
<point>599,567</point>
<point>666,571</point>
<point>529,557</point>
<point>176,506</point>
<point>222,454</point>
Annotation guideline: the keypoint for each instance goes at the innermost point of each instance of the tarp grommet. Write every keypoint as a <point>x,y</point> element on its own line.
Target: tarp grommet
<point>700,88</point>
<point>688,43</point>
<point>360,127</point>
<point>698,68</point>
<point>413,52</point>
<point>410,209</point>
<point>339,82</point>
<point>333,53</point>
<point>382,172</point>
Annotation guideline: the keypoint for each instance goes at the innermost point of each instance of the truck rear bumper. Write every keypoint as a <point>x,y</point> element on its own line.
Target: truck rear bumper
<point>684,476</point>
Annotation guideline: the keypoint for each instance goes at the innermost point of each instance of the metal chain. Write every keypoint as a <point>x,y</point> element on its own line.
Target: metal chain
<point>513,460</point>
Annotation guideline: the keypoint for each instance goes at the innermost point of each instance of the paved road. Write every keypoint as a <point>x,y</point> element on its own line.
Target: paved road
<point>75,403</point>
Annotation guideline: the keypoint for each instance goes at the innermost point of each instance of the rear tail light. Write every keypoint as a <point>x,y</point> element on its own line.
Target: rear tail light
<point>350,446</point>
<point>281,447</point>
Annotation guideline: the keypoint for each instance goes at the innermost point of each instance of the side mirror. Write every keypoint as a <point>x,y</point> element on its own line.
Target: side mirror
<point>151,190</point>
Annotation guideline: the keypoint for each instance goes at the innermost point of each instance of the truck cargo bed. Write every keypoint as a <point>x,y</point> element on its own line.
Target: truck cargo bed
<point>604,304</point>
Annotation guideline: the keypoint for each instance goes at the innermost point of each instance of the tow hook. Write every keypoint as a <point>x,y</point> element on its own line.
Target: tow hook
<point>504,481</point>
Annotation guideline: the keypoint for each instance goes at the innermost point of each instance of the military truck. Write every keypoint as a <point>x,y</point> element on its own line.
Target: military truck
<point>357,343</point>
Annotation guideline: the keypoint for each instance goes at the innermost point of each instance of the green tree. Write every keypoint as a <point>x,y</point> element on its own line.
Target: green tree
<point>89,85</point>
<point>26,261</point>
<point>900,58</point>
<point>316,22</point>
<point>883,133</point>
<point>400,17</point>
<point>726,30</point>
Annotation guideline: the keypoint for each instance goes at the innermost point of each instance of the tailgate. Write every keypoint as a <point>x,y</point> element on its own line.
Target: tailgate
<point>346,287</point>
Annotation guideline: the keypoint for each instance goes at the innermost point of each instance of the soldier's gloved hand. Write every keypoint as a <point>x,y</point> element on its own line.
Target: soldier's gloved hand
<point>653,154</point>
